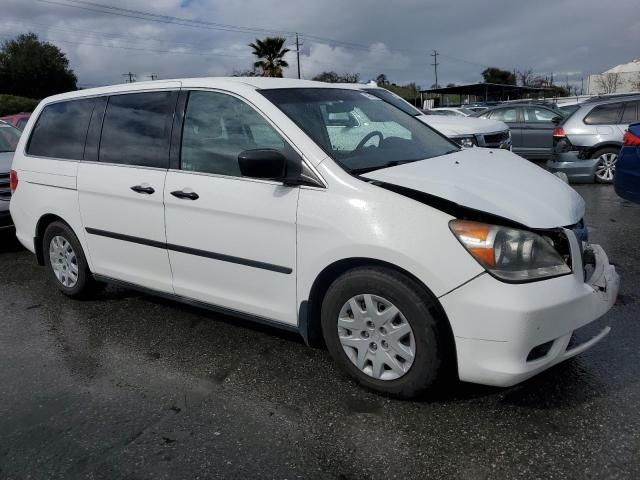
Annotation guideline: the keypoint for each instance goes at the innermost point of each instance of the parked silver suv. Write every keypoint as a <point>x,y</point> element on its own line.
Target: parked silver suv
<point>586,144</point>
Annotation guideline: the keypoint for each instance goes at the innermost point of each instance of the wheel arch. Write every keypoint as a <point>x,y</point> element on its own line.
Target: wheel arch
<point>309,323</point>
<point>43,222</point>
<point>599,146</point>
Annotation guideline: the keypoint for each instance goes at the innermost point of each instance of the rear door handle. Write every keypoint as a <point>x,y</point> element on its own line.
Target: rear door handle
<point>183,194</point>
<point>144,188</point>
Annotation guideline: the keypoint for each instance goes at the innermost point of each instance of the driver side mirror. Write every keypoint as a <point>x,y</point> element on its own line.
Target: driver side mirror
<point>266,163</point>
<point>556,120</point>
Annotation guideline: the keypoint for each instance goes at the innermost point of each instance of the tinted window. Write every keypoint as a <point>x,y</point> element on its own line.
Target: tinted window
<point>137,129</point>
<point>21,123</point>
<point>504,115</point>
<point>217,127</point>
<point>61,130</point>
<point>539,115</point>
<point>630,112</point>
<point>604,114</point>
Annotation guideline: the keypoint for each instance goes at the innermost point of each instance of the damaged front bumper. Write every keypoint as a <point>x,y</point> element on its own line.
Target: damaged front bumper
<point>507,333</point>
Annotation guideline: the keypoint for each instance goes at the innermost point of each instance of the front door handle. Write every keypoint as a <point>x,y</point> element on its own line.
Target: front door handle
<point>183,194</point>
<point>144,188</point>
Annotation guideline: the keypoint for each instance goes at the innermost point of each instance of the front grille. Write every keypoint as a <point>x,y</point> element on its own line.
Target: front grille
<point>5,189</point>
<point>495,139</point>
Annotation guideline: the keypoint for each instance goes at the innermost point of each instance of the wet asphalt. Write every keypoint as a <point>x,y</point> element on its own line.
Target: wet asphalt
<point>132,386</point>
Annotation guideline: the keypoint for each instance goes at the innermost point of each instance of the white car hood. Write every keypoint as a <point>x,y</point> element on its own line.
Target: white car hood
<point>493,181</point>
<point>458,126</point>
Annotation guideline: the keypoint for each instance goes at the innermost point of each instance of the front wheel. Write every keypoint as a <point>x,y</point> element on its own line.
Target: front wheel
<point>606,167</point>
<point>379,326</point>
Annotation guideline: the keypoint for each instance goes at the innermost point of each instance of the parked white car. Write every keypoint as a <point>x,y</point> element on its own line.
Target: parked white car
<point>467,132</point>
<point>453,111</point>
<point>408,256</point>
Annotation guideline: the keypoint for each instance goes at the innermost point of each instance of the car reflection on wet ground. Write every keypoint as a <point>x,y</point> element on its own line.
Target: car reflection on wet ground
<point>132,386</point>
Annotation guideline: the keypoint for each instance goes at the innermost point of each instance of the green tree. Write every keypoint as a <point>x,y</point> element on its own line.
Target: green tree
<point>270,53</point>
<point>497,75</point>
<point>333,77</point>
<point>35,69</point>
<point>382,80</point>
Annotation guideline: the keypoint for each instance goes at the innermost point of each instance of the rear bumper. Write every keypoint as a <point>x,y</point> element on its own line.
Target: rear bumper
<point>497,326</point>
<point>576,169</point>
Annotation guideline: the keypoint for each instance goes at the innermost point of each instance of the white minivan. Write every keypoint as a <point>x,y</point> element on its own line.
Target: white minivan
<point>410,258</point>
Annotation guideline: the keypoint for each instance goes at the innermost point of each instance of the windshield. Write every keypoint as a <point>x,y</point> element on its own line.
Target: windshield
<point>394,100</point>
<point>358,130</point>
<point>9,137</point>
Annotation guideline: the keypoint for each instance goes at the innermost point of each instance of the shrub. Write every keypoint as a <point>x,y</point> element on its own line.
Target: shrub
<point>10,104</point>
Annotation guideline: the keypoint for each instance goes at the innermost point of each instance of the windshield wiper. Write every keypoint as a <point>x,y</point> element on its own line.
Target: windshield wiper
<point>358,171</point>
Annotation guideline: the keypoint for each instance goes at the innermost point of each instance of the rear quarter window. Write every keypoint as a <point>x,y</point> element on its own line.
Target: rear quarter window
<point>61,130</point>
<point>137,129</point>
<point>604,114</point>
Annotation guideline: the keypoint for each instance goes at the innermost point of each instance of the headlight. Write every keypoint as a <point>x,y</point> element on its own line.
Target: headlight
<point>466,142</point>
<point>508,253</point>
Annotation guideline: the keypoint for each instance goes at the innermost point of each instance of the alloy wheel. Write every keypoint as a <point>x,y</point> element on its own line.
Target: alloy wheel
<point>376,337</point>
<point>606,168</point>
<point>64,261</point>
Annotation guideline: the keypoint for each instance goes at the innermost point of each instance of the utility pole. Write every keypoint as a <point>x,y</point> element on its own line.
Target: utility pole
<point>153,76</point>
<point>435,64</point>
<point>298,53</point>
<point>131,76</point>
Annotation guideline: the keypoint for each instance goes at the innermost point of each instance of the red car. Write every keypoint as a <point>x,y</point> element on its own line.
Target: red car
<point>18,120</point>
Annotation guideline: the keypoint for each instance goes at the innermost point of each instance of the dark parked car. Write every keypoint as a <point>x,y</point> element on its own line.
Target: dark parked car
<point>627,178</point>
<point>531,128</point>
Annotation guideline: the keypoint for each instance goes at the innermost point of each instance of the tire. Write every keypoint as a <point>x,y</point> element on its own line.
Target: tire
<point>409,378</point>
<point>61,247</point>
<point>606,167</point>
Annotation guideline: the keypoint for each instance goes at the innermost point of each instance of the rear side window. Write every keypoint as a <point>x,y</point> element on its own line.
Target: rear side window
<point>504,115</point>
<point>61,130</point>
<point>22,123</point>
<point>137,129</point>
<point>630,114</point>
<point>604,115</point>
<point>538,115</point>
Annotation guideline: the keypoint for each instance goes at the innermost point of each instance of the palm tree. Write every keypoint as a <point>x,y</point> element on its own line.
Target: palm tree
<point>271,53</point>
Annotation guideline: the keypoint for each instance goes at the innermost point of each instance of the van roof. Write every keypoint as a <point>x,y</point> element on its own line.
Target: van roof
<point>261,83</point>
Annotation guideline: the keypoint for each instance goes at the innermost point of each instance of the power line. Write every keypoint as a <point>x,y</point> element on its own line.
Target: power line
<point>131,77</point>
<point>435,64</point>
<point>181,21</point>
<point>298,53</point>
<point>202,53</point>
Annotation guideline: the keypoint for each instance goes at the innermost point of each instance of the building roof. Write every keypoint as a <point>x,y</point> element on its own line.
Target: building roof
<point>486,89</point>
<point>631,67</point>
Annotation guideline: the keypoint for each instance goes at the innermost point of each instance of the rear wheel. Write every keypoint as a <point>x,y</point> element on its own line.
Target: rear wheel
<point>379,326</point>
<point>606,167</point>
<point>66,262</point>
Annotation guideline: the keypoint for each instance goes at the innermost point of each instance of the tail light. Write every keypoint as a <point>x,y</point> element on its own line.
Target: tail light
<point>559,132</point>
<point>631,140</point>
<point>13,181</point>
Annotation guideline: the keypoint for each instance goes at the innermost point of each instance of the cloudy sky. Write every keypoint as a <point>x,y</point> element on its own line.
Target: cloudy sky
<point>105,38</point>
